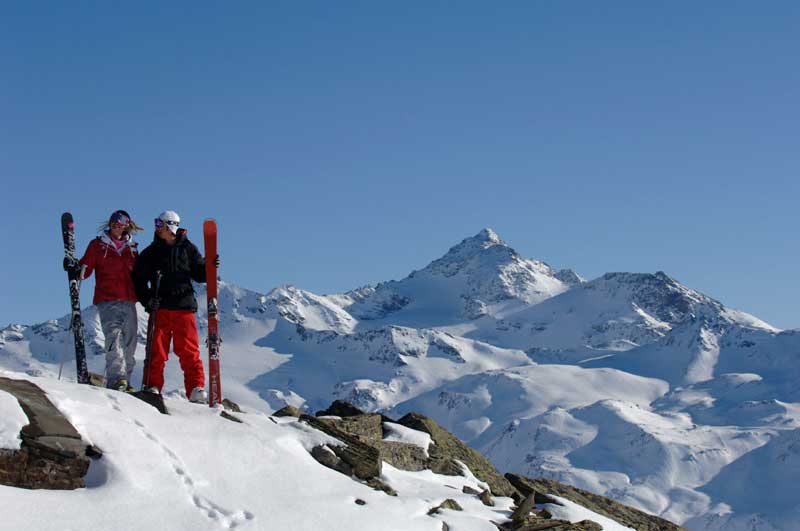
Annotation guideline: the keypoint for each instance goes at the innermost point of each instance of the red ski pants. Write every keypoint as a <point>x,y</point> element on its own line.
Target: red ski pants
<point>179,327</point>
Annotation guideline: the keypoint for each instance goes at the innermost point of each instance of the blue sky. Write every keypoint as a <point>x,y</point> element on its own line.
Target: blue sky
<point>340,144</point>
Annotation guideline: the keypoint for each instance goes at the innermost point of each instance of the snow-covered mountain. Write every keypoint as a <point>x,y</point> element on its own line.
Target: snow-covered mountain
<point>630,385</point>
<point>479,276</point>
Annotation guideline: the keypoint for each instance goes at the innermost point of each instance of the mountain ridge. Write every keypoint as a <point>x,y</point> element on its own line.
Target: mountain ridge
<point>481,327</point>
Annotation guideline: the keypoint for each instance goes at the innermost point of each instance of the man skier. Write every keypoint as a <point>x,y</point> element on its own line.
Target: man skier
<point>174,305</point>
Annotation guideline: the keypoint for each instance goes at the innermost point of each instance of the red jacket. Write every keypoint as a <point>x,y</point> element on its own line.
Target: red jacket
<point>113,281</point>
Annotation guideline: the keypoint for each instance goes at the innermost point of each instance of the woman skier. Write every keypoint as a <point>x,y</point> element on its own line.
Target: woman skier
<point>111,256</point>
<point>174,305</point>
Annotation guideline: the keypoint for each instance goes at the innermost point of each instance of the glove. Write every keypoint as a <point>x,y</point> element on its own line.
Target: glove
<point>153,304</point>
<point>216,261</point>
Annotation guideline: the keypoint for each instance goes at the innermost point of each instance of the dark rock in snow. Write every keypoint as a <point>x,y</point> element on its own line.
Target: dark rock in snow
<point>324,455</point>
<point>362,458</point>
<point>486,498</point>
<point>404,456</point>
<point>447,504</point>
<point>447,448</point>
<point>377,484</point>
<point>230,405</point>
<point>366,428</point>
<point>616,511</point>
<point>52,454</point>
<point>288,411</point>
<point>340,408</point>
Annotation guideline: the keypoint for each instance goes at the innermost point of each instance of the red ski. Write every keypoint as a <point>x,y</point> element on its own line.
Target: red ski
<point>213,342</point>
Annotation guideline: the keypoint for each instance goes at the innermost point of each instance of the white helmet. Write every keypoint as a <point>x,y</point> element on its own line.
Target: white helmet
<point>171,219</point>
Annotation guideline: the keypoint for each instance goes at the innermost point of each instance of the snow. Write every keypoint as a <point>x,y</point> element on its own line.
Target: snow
<point>399,433</point>
<point>195,470</point>
<point>572,512</point>
<point>12,420</point>
<point>544,373</point>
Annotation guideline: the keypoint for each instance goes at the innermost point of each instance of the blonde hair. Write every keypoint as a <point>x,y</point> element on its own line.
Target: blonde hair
<point>131,229</point>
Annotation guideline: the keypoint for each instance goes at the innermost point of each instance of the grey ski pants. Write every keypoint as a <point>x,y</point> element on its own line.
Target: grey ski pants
<point>118,320</point>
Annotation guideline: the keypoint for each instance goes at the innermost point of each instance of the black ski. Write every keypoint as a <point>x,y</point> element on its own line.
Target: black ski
<point>73,274</point>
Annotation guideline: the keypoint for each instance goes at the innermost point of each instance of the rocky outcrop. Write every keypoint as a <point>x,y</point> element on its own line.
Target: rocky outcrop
<point>360,430</point>
<point>340,408</point>
<point>52,454</point>
<point>362,450</point>
<point>616,511</point>
<point>357,458</point>
<point>368,429</point>
<point>447,449</point>
<point>288,411</point>
<point>538,523</point>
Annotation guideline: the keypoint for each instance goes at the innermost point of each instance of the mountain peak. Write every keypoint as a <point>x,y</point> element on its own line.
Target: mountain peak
<point>470,247</point>
<point>487,235</point>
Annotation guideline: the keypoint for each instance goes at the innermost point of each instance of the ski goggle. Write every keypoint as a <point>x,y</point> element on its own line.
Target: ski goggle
<point>160,223</point>
<point>120,219</point>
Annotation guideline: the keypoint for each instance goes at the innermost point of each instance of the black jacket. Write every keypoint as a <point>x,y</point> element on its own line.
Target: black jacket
<point>179,263</point>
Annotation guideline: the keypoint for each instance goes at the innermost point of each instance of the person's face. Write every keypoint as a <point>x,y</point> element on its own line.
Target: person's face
<point>164,233</point>
<point>116,229</point>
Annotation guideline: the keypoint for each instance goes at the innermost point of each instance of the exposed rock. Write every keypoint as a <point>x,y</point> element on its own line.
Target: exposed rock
<point>340,408</point>
<point>364,449</point>
<point>366,428</point>
<point>525,508</point>
<point>527,488</point>
<point>486,498</point>
<point>449,503</point>
<point>377,484</point>
<point>359,501</point>
<point>288,411</point>
<point>616,511</point>
<point>447,449</point>
<point>324,455</point>
<point>405,456</point>
<point>228,416</point>
<point>93,452</point>
<point>587,525</point>
<point>364,459</point>
<point>52,454</point>
<point>536,523</point>
<point>230,405</point>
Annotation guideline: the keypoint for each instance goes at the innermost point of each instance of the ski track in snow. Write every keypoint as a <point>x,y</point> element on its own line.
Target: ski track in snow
<point>228,519</point>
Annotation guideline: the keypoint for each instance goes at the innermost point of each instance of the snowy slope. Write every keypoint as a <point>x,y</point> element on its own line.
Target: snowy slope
<point>195,470</point>
<point>759,487</point>
<point>545,373</point>
<point>614,313</point>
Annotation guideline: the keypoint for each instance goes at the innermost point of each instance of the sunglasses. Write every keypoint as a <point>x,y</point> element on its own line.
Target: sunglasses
<point>120,219</point>
<point>160,223</point>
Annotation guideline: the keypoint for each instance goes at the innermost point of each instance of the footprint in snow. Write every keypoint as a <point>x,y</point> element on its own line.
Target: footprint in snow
<point>228,519</point>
